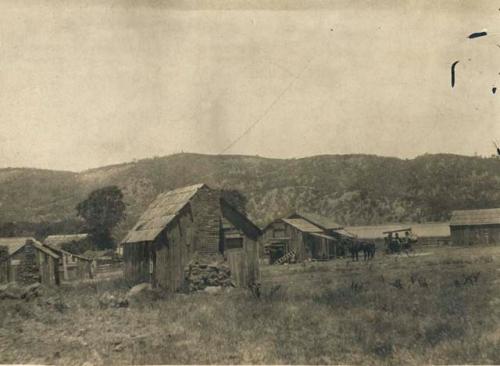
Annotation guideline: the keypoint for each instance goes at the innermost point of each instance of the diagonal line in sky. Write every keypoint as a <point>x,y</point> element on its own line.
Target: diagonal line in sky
<point>267,110</point>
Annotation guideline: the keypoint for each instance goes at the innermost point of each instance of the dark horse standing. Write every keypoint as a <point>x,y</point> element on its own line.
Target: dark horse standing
<point>367,247</point>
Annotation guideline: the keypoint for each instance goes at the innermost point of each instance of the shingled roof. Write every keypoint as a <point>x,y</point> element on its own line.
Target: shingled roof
<point>160,213</point>
<point>15,244</point>
<point>303,225</point>
<point>323,222</point>
<point>490,216</point>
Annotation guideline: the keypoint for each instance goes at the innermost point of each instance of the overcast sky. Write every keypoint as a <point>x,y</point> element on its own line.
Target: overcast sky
<point>85,84</point>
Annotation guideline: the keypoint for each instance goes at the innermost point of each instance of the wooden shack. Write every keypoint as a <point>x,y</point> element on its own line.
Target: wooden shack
<point>298,238</point>
<point>330,228</point>
<point>26,261</point>
<point>470,227</point>
<point>72,266</point>
<point>185,231</point>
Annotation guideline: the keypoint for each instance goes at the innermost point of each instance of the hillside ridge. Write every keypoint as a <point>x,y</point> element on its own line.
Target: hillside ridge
<point>352,189</point>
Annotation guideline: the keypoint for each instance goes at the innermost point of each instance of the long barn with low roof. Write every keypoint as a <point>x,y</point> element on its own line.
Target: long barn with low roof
<point>469,227</point>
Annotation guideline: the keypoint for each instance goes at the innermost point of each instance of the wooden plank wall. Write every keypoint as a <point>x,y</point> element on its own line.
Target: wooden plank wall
<point>174,252</point>
<point>473,235</point>
<point>297,243</point>
<point>252,259</point>
<point>319,247</point>
<point>237,262</point>
<point>136,262</point>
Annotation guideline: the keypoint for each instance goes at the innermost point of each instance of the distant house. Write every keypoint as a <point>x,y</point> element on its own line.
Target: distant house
<point>329,226</point>
<point>434,233</point>
<point>73,266</point>
<point>296,237</point>
<point>187,225</point>
<point>306,235</point>
<point>470,227</point>
<point>26,261</point>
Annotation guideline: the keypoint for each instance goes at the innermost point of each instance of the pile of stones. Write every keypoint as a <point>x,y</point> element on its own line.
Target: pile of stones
<point>199,275</point>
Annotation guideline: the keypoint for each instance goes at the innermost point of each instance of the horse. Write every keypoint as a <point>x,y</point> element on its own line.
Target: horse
<point>368,249</point>
<point>355,246</point>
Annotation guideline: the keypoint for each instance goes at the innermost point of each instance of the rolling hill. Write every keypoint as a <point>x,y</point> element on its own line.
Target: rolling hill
<point>353,189</point>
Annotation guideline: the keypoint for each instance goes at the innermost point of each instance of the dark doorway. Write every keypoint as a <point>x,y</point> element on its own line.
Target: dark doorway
<point>276,251</point>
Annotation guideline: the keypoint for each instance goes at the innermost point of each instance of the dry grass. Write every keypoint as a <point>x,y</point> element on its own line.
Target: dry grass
<point>394,310</point>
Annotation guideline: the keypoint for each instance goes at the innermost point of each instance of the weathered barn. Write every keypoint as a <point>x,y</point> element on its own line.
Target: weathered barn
<point>434,233</point>
<point>329,227</point>
<point>71,266</point>
<point>470,227</point>
<point>26,261</point>
<point>299,237</point>
<point>186,231</point>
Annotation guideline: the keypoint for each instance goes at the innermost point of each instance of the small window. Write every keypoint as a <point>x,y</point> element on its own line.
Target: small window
<point>234,243</point>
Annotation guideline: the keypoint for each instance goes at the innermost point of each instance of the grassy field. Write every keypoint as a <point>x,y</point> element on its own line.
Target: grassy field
<point>440,306</point>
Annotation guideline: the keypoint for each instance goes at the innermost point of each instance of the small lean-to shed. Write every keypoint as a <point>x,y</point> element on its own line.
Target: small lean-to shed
<point>72,266</point>
<point>469,227</point>
<point>188,226</point>
<point>28,261</point>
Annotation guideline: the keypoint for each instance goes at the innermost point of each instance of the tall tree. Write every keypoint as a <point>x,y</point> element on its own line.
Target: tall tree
<point>102,211</point>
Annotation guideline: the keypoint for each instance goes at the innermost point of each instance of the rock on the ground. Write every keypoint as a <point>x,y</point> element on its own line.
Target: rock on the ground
<point>31,291</point>
<point>213,289</point>
<point>10,291</point>
<point>15,292</point>
<point>108,300</point>
<point>137,290</point>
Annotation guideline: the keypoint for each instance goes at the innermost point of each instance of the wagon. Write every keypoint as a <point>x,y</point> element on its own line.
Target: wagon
<point>395,244</point>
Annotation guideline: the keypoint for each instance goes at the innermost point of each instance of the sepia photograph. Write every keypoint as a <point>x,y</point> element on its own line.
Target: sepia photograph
<point>249,182</point>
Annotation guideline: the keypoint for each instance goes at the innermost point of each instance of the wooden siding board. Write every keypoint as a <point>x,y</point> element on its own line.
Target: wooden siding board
<point>477,234</point>
<point>136,262</point>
